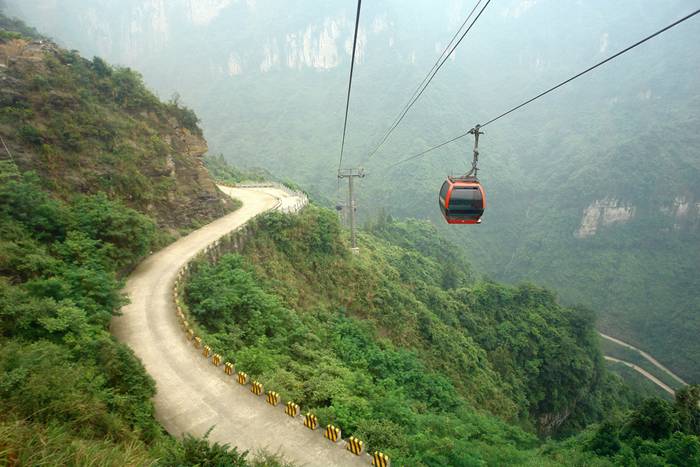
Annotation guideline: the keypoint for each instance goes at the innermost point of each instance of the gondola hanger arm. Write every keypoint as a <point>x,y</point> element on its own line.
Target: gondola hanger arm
<point>476,131</point>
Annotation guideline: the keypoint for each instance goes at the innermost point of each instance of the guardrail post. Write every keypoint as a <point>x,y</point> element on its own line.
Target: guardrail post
<point>273,398</point>
<point>355,446</point>
<point>291,409</point>
<point>310,421</point>
<point>379,459</point>
<point>256,388</point>
<point>332,433</point>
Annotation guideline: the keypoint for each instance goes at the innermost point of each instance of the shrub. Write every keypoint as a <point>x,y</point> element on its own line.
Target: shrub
<point>200,452</point>
<point>30,135</point>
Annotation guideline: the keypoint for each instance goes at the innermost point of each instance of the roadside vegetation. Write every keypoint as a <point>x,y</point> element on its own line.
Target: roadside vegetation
<point>404,348</point>
<point>70,394</point>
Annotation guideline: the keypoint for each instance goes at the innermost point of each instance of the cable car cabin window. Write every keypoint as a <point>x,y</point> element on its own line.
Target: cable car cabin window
<point>443,191</point>
<point>466,202</point>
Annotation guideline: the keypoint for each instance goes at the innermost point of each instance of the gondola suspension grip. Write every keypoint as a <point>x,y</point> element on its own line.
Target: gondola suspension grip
<point>475,162</point>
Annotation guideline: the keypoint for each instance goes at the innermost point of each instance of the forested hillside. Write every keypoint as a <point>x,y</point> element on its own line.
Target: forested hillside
<point>592,191</point>
<point>404,345</point>
<point>403,348</point>
<point>84,197</point>
<point>86,127</point>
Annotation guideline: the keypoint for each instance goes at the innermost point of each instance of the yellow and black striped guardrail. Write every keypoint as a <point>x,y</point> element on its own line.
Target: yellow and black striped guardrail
<point>310,421</point>
<point>332,433</point>
<point>355,446</point>
<point>379,459</point>
<point>256,388</point>
<point>291,409</point>
<point>273,398</point>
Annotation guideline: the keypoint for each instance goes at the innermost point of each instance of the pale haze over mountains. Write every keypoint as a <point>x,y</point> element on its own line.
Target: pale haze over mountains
<point>593,190</point>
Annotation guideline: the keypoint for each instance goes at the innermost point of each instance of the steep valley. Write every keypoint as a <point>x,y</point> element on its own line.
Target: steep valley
<point>593,192</point>
<point>412,345</point>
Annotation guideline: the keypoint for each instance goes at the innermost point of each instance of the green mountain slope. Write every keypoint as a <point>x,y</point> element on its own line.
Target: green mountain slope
<point>86,127</point>
<point>614,150</point>
<point>399,346</point>
<point>88,143</point>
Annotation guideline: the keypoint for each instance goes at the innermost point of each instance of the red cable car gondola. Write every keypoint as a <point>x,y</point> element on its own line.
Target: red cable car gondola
<point>462,199</point>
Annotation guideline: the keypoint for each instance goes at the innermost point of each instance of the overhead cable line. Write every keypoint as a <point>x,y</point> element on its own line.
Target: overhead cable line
<point>431,74</point>
<point>352,66</point>
<point>660,31</point>
<point>427,76</point>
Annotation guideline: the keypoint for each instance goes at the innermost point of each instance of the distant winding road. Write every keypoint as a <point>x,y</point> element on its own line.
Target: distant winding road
<point>648,357</point>
<point>644,373</point>
<point>192,394</point>
<point>639,369</point>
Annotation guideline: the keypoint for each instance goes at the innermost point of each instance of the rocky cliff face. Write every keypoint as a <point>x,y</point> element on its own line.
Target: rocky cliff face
<point>602,213</point>
<point>683,213</point>
<point>138,30</point>
<point>85,127</point>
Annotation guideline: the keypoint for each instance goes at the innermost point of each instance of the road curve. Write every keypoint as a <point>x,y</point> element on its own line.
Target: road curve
<point>191,394</point>
<point>648,357</point>
<point>644,373</point>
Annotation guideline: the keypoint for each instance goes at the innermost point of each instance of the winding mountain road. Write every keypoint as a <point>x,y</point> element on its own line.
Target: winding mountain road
<point>192,394</point>
<point>644,373</point>
<point>645,355</point>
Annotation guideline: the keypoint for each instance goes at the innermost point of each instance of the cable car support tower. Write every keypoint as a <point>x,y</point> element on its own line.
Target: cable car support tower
<point>351,174</point>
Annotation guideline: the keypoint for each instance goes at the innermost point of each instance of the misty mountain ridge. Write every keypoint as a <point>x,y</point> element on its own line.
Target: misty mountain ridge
<point>586,189</point>
<point>403,344</point>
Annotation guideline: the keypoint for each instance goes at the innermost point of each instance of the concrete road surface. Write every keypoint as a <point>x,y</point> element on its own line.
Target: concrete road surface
<point>648,357</point>
<point>644,373</point>
<point>193,395</point>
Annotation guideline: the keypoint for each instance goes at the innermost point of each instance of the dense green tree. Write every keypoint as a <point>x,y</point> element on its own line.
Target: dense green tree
<point>655,419</point>
<point>102,68</point>
<point>128,231</point>
<point>606,441</point>
<point>688,406</point>
<point>23,202</point>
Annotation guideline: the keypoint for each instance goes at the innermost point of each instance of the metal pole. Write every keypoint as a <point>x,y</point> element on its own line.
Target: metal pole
<point>351,205</point>
<point>353,234</point>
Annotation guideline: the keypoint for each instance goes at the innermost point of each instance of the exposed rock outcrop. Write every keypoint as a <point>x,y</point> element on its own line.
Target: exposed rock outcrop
<point>601,213</point>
